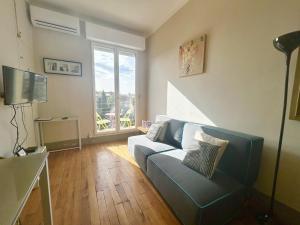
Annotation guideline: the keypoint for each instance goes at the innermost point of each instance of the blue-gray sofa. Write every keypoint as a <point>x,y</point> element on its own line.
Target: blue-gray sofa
<point>195,199</point>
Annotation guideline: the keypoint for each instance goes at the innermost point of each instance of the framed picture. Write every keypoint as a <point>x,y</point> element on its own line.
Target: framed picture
<point>64,67</point>
<point>295,103</point>
<point>191,57</point>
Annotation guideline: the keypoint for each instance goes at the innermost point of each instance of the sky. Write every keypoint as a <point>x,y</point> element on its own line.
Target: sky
<point>104,72</point>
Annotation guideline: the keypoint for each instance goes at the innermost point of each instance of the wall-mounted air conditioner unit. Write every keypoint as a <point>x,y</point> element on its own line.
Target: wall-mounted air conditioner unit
<point>52,20</point>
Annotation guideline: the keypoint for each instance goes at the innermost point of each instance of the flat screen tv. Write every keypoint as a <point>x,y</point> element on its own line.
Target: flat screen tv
<point>21,87</point>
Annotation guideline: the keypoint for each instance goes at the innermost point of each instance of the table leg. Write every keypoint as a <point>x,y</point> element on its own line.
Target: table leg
<point>41,133</point>
<point>46,196</point>
<point>79,135</point>
<point>37,133</point>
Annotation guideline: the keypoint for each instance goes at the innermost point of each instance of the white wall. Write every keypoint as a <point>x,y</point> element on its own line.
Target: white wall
<point>11,50</point>
<point>68,95</point>
<point>242,88</point>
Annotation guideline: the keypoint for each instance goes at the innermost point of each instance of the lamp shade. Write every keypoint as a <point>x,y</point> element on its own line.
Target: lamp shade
<point>287,43</point>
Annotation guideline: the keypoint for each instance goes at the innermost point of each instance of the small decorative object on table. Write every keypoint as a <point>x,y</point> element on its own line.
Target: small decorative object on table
<point>145,126</point>
<point>146,123</point>
<point>57,66</point>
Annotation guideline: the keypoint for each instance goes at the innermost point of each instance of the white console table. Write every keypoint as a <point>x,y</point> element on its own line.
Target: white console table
<point>18,177</point>
<point>39,129</point>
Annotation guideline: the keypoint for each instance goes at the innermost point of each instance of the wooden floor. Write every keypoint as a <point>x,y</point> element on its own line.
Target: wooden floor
<point>102,185</point>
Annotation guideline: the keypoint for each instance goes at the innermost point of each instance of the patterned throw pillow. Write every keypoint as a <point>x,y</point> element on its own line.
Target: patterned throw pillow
<point>203,159</point>
<point>213,141</point>
<point>153,132</point>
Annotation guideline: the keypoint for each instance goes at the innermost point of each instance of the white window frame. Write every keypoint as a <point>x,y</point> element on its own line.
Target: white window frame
<point>116,50</point>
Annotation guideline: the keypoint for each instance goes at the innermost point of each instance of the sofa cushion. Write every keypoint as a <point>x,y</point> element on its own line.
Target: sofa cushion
<point>194,198</point>
<point>143,141</point>
<point>188,135</point>
<point>140,147</point>
<point>203,159</point>
<point>174,133</point>
<point>154,131</point>
<point>241,160</point>
<point>213,141</point>
<point>141,154</point>
<point>163,131</point>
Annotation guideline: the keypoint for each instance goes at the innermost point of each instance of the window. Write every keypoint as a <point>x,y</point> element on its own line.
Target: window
<point>115,98</point>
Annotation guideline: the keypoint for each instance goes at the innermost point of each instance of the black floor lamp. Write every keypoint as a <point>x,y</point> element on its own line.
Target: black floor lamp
<point>286,43</point>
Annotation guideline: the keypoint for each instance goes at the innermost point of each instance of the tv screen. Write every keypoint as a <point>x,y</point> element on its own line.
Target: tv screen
<point>40,88</point>
<point>22,87</point>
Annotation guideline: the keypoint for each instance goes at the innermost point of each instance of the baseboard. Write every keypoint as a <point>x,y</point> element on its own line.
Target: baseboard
<point>282,213</point>
<point>109,138</point>
<point>52,146</point>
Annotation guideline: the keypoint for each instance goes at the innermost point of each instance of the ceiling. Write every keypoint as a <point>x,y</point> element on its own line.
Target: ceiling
<point>138,16</point>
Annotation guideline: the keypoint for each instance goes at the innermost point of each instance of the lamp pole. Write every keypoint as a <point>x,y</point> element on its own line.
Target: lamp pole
<point>286,43</point>
<point>288,60</point>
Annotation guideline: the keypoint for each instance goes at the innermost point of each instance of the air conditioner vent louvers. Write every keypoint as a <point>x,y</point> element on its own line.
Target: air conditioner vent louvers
<point>55,26</point>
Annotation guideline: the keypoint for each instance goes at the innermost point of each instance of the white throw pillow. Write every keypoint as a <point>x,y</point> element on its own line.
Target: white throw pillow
<point>201,136</point>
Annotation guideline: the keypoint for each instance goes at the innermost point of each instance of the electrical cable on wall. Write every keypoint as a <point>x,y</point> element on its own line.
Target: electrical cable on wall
<point>24,126</point>
<point>18,146</point>
<point>19,34</point>
<point>14,123</point>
